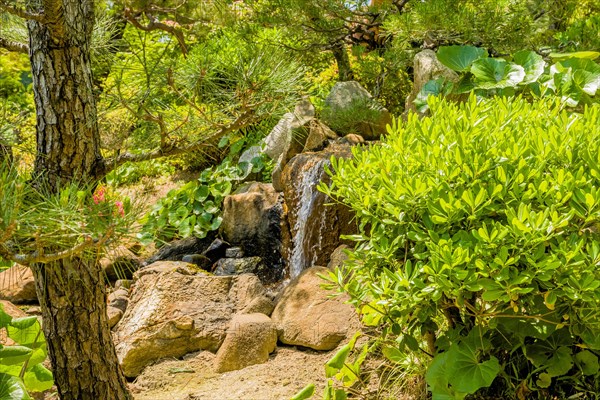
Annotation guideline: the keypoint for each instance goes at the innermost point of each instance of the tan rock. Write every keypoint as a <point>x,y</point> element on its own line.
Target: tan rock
<point>306,316</point>
<point>171,313</point>
<point>261,304</point>
<point>318,136</point>
<point>114,316</point>
<point>250,339</point>
<point>17,285</point>
<point>338,257</point>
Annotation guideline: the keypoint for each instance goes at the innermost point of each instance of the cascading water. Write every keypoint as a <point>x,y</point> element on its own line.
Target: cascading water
<point>308,194</point>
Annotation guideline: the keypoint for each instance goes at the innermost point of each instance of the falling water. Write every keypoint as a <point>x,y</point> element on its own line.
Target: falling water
<point>307,188</point>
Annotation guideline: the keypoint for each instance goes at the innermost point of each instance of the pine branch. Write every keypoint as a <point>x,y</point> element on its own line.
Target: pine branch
<point>39,257</point>
<point>155,25</point>
<point>241,121</point>
<point>20,12</point>
<point>11,45</point>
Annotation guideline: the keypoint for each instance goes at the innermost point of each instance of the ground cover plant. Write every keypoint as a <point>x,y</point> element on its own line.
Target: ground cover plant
<point>478,246</point>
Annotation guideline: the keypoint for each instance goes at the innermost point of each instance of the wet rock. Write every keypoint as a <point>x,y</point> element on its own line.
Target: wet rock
<point>250,339</point>
<point>120,263</point>
<point>198,260</point>
<point>172,313</point>
<point>252,221</point>
<point>237,266</point>
<point>427,67</point>
<point>17,285</point>
<point>315,222</point>
<point>349,99</point>
<point>234,252</point>
<point>175,250</point>
<point>306,316</point>
<point>216,250</point>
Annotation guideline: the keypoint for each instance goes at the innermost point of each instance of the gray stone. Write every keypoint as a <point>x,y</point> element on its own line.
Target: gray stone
<point>175,250</point>
<point>199,260</point>
<point>238,266</point>
<point>120,263</point>
<point>427,67</point>
<point>344,96</point>
<point>234,252</point>
<point>338,257</point>
<point>250,339</point>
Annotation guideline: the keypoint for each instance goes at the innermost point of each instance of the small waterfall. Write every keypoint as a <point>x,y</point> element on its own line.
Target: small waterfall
<point>307,194</point>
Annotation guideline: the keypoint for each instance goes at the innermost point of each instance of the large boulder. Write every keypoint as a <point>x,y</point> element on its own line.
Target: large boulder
<point>427,67</point>
<point>250,339</point>
<point>17,285</point>
<point>350,107</point>
<point>307,316</point>
<point>314,221</point>
<point>288,130</point>
<point>175,311</point>
<point>251,220</point>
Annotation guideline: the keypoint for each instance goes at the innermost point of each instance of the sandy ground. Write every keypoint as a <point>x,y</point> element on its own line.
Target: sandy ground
<point>287,371</point>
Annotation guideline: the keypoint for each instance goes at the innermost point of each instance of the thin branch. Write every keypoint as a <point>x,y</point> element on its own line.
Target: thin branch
<point>20,12</point>
<point>11,45</point>
<point>155,25</point>
<point>243,120</point>
<point>36,257</point>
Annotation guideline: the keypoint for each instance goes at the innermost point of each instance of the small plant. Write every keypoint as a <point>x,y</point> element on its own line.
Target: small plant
<point>478,245</point>
<point>572,77</point>
<point>21,369</point>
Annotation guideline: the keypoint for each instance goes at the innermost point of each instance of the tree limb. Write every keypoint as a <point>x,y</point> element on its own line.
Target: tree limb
<point>11,45</point>
<point>155,25</point>
<point>38,257</point>
<point>400,5</point>
<point>243,120</point>
<point>20,12</point>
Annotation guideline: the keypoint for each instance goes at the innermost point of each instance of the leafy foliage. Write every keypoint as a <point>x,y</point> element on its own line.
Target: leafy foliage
<point>573,77</point>
<point>21,364</point>
<point>478,243</point>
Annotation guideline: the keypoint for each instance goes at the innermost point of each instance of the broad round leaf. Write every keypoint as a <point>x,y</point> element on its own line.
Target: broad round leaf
<point>532,63</point>
<point>493,73</point>
<point>38,378</point>
<point>12,388</point>
<point>469,374</point>
<point>460,58</point>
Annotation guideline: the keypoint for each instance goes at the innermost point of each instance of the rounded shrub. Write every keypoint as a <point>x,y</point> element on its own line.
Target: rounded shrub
<point>479,245</point>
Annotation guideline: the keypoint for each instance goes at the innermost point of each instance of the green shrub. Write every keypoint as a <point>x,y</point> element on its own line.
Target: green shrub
<point>572,77</point>
<point>21,368</point>
<point>479,244</point>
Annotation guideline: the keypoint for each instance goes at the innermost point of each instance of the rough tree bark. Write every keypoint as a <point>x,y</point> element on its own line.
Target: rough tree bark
<point>345,72</point>
<point>71,291</point>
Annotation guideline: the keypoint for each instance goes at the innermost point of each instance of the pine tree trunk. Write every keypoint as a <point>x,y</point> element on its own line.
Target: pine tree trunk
<point>73,301</point>
<point>71,291</point>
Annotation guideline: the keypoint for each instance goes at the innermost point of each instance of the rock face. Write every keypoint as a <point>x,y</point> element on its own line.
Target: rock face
<point>175,251</point>
<point>426,68</point>
<point>250,339</point>
<point>306,316</point>
<point>252,221</point>
<point>173,311</point>
<point>17,285</point>
<point>238,266</point>
<point>314,226</point>
<point>348,99</point>
<point>283,134</point>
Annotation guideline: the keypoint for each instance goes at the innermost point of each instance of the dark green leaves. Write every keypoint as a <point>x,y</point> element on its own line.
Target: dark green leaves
<point>460,58</point>
<point>533,65</point>
<point>496,74</point>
